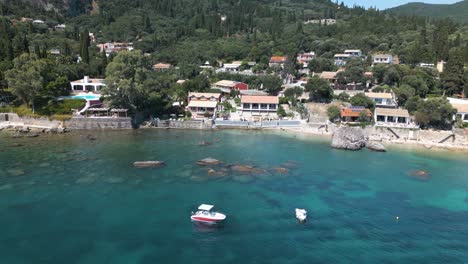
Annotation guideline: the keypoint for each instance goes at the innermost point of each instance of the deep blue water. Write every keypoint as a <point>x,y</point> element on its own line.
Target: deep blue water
<point>65,199</point>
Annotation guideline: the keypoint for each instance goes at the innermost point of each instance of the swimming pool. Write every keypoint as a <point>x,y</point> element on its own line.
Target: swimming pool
<point>83,96</point>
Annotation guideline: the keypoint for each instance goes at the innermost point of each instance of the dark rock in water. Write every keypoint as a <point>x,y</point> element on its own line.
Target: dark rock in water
<point>375,146</point>
<point>350,138</point>
<point>17,135</point>
<point>33,134</point>
<point>91,137</point>
<point>204,143</point>
<point>149,164</point>
<point>208,162</point>
<point>53,130</point>
<point>16,145</point>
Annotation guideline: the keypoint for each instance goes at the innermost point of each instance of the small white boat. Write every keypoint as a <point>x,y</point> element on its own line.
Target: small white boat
<point>205,215</point>
<point>301,215</point>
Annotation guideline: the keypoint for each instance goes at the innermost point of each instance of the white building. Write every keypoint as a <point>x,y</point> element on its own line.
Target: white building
<point>462,108</point>
<point>203,105</point>
<point>390,117</point>
<point>87,84</point>
<point>305,58</point>
<point>115,47</point>
<point>353,52</point>
<point>382,59</point>
<point>341,59</point>
<point>259,105</point>
<point>386,100</point>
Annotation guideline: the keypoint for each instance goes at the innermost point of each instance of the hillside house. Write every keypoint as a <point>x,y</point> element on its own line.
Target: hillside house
<point>341,59</point>
<point>259,105</point>
<point>87,85</point>
<point>227,85</point>
<point>162,67</point>
<point>203,105</point>
<point>353,52</point>
<point>382,59</point>
<point>277,61</point>
<point>305,58</point>
<point>384,100</point>
<point>352,114</point>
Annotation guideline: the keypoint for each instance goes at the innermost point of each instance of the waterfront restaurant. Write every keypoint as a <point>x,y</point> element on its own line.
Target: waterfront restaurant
<point>259,105</point>
<point>391,117</point>
<point>87,85</point>
<point>202,104</point>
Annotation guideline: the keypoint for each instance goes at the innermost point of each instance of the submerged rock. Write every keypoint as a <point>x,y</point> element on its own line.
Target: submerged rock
<point>32,134</point>
<point>91,137</point>
<point>420,174</point>
<point>281,170</point>
<point>375,146</point>
<point>208,162</point>
<point>242,168</point>
<point>349,138</point>
<point>204,143</point>
<point>15,172</point>
<point>212,172</point>
<point>114,180</point>
<point>149,164</point>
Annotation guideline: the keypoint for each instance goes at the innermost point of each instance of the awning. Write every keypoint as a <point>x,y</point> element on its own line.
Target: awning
<point>205,207</point>
<point>207,104</point>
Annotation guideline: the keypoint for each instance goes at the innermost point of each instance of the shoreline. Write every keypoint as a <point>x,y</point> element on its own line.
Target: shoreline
<point>400,144</point>
<point>310,133</point>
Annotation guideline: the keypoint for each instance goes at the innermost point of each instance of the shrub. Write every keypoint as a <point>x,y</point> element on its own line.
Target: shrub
<point>188,114</point>
<point>60,117</point>
<point>281,112</point>
<point>333,113</point>
<point>283,100</point>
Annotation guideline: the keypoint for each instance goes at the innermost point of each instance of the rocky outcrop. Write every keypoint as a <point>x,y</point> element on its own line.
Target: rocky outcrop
<point>350,138</point>
<point>375,146</point>
<point>149,164</point>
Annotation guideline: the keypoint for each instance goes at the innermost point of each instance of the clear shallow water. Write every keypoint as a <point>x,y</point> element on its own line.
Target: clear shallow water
<point>65,199</point>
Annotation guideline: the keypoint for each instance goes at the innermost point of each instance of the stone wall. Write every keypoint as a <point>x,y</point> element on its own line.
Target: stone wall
<point>99,123</point>
<point>29,121</point>
<point>204,124</point>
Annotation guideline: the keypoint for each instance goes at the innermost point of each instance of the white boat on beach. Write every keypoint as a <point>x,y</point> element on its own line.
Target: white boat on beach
<point>205,215</point>
<point>301,215</point>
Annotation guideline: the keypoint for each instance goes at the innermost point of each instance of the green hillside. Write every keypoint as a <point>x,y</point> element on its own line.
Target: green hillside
<point>457,11</point>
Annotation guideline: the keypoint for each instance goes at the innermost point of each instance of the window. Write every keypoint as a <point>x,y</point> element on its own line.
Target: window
<point>465,117</point>
<point>246,106</point>
<point>402,120</point>
<point>254,106</point>
<point>263,106</point>
<point>380,118</point>
<point>378,100</point>
<point>390,119</point>
<point>272,106</point>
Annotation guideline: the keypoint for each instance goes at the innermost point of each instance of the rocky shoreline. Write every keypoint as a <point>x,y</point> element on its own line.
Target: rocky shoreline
<point>32,132</point>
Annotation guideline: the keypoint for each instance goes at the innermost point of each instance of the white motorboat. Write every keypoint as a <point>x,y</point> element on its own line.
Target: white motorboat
<point>205,215</point>
<point>301,215</point>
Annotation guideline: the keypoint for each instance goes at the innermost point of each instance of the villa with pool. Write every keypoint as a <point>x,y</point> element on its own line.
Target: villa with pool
<point>87,85</point>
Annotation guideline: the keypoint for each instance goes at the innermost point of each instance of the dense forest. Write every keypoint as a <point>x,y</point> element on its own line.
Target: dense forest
<point>187,33</point>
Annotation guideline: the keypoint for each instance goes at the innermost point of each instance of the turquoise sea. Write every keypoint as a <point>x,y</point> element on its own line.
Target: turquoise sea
<point>66,199</point>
